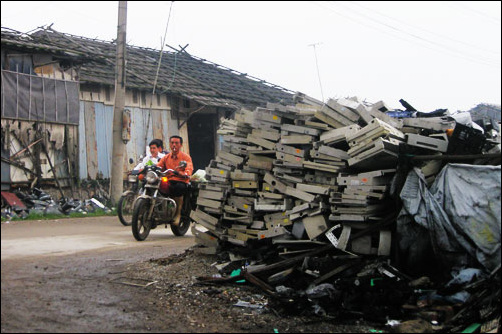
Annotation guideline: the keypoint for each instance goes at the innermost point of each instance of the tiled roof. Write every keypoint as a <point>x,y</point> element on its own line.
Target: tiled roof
<point>180,73</point>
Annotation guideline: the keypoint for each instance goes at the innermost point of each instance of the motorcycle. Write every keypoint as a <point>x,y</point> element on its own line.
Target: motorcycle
<point>155,207</point>
<point>126,201</point>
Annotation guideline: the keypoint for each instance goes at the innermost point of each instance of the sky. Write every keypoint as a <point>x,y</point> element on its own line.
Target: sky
<point>432,54</point>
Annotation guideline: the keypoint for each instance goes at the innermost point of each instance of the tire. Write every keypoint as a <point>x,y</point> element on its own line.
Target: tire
<point>185,219</point>
<point>140,224</point>
<point>183,227</point>
<point>125,207</point>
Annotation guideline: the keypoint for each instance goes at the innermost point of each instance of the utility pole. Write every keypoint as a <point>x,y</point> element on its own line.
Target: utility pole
<point>118,146</point>
<point>317,66</point>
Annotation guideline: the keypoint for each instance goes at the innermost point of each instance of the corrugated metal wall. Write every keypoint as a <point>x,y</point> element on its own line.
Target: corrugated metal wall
<point>104,137</point>
<point>95,136</point>
<point>82,147</point>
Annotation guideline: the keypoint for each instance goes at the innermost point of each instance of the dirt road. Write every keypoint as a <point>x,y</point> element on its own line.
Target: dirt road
<point>68,276</point>
<point>90,275</point>
<point>70,236</point>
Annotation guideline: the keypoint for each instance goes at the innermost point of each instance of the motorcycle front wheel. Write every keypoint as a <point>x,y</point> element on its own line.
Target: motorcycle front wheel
<point>125,207</point>
<point>141,225</point>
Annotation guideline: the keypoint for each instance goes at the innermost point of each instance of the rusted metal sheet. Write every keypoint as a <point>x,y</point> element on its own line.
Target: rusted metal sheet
<point>13,200</point>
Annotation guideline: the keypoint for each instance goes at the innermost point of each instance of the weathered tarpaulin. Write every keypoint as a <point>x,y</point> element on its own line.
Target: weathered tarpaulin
<point>461,213</point>
<point>34,98</point>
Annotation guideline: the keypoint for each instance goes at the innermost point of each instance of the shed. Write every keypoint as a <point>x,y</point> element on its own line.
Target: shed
<point>191,94</point>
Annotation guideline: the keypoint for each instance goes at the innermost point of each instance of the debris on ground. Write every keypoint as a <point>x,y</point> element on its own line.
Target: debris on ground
<point>21,203</point>
<point>352,210</point>
<point>343,211</point>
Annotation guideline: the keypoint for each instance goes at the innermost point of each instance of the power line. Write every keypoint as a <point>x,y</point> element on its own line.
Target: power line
<point>400,32</point>
<point>163,41</point>
<point>472,10</point>
<point>413,35</point>
<point>317,66</point>
<point>420,28</point>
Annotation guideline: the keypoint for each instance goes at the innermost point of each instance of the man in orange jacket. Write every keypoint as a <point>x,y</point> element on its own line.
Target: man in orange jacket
<point>177,183</point>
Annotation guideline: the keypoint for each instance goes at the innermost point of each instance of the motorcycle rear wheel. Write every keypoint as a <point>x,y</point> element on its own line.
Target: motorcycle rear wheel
<point>185,219</point>
<point>141,225</point>
<point>125,207</point>
<point>182,228</point>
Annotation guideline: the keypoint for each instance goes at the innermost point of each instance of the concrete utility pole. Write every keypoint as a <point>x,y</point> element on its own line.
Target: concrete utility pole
<point>118,146</point>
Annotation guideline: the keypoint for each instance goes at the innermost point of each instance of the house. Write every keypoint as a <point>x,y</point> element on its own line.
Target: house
<point>185,95</point>
<point>39,106</point>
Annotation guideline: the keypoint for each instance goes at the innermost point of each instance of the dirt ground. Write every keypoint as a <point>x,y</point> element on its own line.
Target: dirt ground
<point>128,288</point>
<point>203,307</point>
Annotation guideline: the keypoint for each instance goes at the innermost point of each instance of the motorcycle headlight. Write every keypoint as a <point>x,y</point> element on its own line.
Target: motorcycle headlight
<point>151,177</point>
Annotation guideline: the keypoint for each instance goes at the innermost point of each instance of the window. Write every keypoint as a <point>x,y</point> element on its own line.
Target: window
<point>20,63</point>
<point>91,88</point>
<point>143,98</point>
<point>107,93</point>
<point>186,103</point>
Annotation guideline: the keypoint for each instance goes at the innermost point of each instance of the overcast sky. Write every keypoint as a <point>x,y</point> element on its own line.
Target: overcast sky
<point>432,54</point>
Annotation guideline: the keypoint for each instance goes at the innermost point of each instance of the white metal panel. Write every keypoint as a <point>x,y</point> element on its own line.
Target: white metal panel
<point>82,152</point>
<point>104,137</point>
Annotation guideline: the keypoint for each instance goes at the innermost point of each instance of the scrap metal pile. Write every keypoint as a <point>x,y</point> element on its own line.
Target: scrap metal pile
<point>35,201</point>
<point>302,201</point>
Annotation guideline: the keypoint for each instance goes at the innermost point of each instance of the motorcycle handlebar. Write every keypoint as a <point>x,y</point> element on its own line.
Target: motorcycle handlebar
<point>175,172</point>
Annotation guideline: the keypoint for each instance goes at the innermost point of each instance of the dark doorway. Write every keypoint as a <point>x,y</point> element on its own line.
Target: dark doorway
<point>201,136</point>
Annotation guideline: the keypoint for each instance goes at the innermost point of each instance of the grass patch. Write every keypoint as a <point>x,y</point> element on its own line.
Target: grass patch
<point>49,216</point>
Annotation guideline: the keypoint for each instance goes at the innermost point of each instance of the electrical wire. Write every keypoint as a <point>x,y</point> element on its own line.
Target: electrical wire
<point>460,4</point>
<point>453,51</point>
<point>420,28</point>
<point>399,33</point>
<point>161,50</point>
<point>163,41</point>
<point>317,66</point>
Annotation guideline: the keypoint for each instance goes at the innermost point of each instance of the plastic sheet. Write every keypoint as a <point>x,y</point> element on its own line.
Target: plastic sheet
<point>460,213</point>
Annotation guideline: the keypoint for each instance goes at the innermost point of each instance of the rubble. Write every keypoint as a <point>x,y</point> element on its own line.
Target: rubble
<point>307,203</point>
<point>304,201</point>
<point>20,203</point>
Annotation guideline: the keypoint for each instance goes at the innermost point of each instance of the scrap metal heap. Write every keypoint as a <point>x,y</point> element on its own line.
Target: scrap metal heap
<point>303,201</point>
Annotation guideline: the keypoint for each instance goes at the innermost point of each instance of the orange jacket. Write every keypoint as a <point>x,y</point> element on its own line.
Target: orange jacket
<point>169,162</point>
